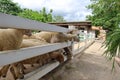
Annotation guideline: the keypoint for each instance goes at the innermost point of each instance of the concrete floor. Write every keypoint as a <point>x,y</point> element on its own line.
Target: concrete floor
<point>90,66</point>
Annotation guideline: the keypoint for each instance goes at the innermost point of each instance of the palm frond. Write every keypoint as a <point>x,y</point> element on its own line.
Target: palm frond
<point>112,44</point>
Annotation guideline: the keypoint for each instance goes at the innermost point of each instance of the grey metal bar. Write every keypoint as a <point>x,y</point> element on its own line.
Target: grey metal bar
<point>11,21</point>
<point>8,57</point>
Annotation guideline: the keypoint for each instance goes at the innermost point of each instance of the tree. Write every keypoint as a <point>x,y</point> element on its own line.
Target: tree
<point>112,45</point>
<point>50,16</point>
<point>58,19</point>
<point>30,14</point>
<point>106,13</point>
<point>8,7</point>
<point>41,15</point>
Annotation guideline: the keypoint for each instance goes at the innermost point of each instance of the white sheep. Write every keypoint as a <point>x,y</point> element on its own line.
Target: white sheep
<point>11,39</point>
<point>51,37</point>
<point>54,37</point>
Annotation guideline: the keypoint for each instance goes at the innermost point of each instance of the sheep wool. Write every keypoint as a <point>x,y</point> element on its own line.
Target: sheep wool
<point>11,39</point>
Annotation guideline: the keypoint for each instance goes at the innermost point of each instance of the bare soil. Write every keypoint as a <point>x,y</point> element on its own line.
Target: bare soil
<point>89,66</point>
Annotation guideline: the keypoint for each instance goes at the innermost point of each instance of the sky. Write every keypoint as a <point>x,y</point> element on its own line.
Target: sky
<point>71,10</point>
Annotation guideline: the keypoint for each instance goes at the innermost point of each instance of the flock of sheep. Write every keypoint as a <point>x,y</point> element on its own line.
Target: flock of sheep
<point>12,39</point>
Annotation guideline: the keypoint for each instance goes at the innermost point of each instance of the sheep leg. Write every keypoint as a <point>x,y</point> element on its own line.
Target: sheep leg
<point>21,68</point>
<point>17,71</point>
<point>12,70</point>
<point>69,53</point>
<point>0,73</point>
<point>13,73</point>
<point>39,61</point>
<point>57,56</point>
<point>4,70</point>
<point>43,61</point>
<point>60,58</point>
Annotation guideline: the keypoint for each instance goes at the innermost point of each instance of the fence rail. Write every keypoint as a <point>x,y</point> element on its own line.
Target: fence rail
<point>12,56</point>
<point>9,21</point>
<point>18,22</point>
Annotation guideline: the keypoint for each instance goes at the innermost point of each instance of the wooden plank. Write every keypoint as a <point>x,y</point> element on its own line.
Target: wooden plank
<point>8,57</point>
<point>78,24</point>
<point>11,21</point>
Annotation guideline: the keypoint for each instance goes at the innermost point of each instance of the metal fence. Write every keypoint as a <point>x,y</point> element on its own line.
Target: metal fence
<point>12,56</point>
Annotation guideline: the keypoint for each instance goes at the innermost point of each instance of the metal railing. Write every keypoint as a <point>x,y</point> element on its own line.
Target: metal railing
<point>12,56</point>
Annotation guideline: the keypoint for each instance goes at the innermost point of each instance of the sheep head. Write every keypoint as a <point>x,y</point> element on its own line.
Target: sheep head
<point>74,35</point>
<point>75,38</point>
<point>60,37</point>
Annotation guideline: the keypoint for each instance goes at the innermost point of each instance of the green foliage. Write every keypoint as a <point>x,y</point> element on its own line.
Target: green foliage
<point>8,7</point>
<point>41,15</point>
<point>58,19</point>
<point>112,44</point>
<point>105,13</point>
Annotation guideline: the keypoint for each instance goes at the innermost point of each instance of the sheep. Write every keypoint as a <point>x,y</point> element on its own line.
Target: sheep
<point>56,55</point>
<point>45,35</point>
<point>32,42</point>
<point>25,43</point>
<point>53,37</point>
<point>33,37</point>
<point>5,68</point>
<point>11,39</point>
<point>42,59</point>
<point>35,42</point>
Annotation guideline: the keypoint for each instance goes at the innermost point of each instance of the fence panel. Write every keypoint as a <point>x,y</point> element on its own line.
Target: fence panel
<point>12,56</point>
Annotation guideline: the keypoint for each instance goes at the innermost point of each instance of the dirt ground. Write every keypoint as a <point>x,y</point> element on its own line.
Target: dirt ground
<point>89,66</point>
